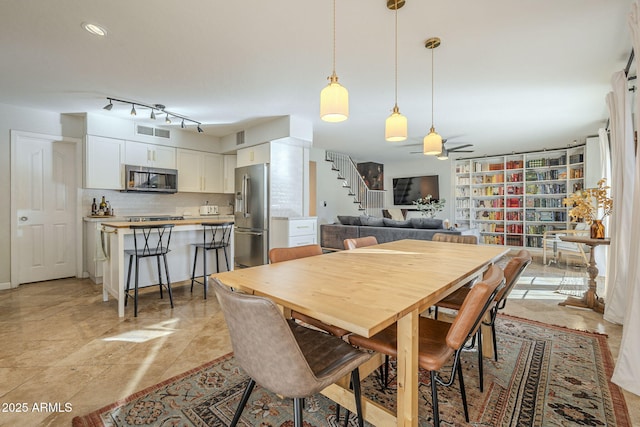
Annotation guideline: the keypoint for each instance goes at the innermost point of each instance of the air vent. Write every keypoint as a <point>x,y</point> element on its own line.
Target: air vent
<point>145,130</point>
<point>163,133</point>
<point>240,138</point>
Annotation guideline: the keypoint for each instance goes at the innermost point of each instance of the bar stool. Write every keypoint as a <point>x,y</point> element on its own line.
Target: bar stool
<point>209,242</point>
<point>154,242</point>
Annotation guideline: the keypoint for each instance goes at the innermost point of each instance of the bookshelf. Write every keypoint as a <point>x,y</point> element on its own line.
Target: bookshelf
<point>513,199</point>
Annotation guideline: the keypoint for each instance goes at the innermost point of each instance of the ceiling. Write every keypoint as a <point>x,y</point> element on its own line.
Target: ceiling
<point>509,75</point>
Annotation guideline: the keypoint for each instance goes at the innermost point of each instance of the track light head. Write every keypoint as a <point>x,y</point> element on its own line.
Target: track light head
<point>167,120</point>
<point>200,129</point>
<point>133,110</point>
<point>153,114</point>
<point>182,124</point>
<point>109,106</point>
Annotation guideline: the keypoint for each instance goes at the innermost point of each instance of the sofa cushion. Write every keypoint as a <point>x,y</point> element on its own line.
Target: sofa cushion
<point>371,221</point>
<point>399,224</point>
<point>349,220</point>
<point>430,223</point>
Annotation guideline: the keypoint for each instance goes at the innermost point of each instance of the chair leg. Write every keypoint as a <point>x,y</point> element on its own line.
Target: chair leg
<point>193,272</point>
<point>126,292</point>
<point>135,291</point>
<point>297,412</point>
<point>463,392</point>
<point>166,271</point>
<point>495,340</point>
<point>434,396</point>
<point>355,382</point>
<point>159,276</point>
<point>243,402</point>
<point>435,311</point>
<point>480,361</point>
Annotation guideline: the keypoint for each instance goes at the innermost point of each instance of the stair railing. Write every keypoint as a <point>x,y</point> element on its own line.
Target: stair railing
<point>370,201</point>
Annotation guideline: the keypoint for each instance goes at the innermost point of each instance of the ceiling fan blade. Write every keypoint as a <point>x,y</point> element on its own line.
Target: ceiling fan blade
<point>460,147</point>
<point>461,151</point>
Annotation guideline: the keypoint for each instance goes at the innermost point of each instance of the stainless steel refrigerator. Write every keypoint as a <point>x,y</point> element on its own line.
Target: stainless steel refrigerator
<point>252,215</point>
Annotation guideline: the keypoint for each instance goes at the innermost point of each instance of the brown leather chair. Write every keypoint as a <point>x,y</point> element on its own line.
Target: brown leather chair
<point>455,238</point>
<point>439,341</point>
<point>360,242</point>
<point>282,356</point>
<point>287,254</point>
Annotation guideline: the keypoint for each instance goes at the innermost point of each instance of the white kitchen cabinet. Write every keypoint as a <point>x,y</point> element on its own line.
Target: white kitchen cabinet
<point>142,154</point>
<point>93,250</point>
<point>291,232</point>
<point>229,173</point>
<point>199,172</point>
<point>103,163</point>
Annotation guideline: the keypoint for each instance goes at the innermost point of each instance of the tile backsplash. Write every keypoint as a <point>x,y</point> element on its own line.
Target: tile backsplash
<point>132,204</point>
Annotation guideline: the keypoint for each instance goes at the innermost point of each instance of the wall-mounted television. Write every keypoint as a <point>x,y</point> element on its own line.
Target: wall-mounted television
<point>406,190</point>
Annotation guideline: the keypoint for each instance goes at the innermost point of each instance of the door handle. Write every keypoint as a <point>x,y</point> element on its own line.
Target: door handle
<point>23,218</point>
<point>249,233</point>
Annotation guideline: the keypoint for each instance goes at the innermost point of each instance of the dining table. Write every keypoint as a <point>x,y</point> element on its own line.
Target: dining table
<point>367,289</point>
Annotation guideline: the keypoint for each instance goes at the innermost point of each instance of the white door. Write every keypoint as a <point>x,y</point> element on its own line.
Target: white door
<point>45,200</point>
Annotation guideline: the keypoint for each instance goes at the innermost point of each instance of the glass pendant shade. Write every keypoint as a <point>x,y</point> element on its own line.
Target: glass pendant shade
<point>334,101</point>
<point>432,143</point>
<point>395,129</point>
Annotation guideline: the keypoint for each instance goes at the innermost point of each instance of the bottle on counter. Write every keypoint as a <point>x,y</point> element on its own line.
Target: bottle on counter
<point>94,207</point>
<point>103,206</point>
<point>108,209</point>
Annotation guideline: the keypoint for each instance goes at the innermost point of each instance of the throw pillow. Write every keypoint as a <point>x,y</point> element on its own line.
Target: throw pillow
<point>349,220</point>
<point>431,223</point>
<point>399,224</point>
<point>371,221</point>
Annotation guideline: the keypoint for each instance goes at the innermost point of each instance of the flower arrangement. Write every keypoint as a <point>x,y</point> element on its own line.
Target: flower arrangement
<point>429,207</point>
<point>587,203</point>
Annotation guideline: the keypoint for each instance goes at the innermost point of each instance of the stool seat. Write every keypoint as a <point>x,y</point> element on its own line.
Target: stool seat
<point>149,241</point>
<point>215,236</point>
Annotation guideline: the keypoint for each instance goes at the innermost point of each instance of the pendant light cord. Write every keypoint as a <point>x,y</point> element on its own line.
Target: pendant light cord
<point>334,37</point>
<point>432,90</point>
<point>396,82</point>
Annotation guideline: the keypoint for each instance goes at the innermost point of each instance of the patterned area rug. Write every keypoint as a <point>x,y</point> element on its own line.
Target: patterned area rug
<point>545,376</point>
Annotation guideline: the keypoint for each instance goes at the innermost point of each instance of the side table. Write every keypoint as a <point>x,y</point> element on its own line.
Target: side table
<point>590,298</point>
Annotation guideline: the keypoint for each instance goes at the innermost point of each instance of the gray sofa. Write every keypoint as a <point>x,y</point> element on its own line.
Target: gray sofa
<point>332,235</point>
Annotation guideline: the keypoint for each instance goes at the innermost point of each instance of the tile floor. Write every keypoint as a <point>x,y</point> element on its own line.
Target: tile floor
<point>66,353</point>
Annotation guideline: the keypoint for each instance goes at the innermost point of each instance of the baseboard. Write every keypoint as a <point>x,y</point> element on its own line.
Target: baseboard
<point>4,286</point>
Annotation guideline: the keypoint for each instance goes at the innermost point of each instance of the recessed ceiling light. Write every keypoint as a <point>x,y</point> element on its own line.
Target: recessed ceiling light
<point>94,29</point>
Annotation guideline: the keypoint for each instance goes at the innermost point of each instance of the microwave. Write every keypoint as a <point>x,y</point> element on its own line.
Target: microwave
<point>150,180</point>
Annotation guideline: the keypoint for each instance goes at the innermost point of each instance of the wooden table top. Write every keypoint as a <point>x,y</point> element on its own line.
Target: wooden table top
<point>191,221</point>
<point>367,289</point>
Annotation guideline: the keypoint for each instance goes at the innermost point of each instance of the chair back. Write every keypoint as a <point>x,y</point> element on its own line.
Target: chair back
<point>360,242</point>
<point>216,235</point>
<point>469,239</point>
<point>263,343</point>
<point>475,305</point>
<point>286,254</point>
<point>150,240</point>
<point>512,272</point>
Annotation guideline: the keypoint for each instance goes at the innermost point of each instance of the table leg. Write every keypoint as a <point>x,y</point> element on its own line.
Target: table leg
<point>590,298</point>
<point>407,367</point>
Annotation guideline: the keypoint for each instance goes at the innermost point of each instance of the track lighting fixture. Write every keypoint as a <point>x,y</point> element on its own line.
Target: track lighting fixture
<point>155,107</point>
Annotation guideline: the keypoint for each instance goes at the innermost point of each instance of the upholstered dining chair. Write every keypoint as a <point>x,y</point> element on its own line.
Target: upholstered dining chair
<point>360,242</point>
<point>286,254</point>
<point>469,239</point>
<point>512,272</point>
<point>439,341</point>
<point>282,356</point>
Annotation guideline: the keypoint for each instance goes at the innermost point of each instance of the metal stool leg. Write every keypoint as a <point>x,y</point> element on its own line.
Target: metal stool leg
<point>126,295</point>
<point>135,298</point>
<point>193,272</point>
<point>166,270</point>
<point>204,271</point>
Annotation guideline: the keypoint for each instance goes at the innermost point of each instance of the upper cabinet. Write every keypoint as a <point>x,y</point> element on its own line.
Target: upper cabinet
<point>142,154</point>
<point>230,162</point>
<point>103,163</point>
<point>199,172</point>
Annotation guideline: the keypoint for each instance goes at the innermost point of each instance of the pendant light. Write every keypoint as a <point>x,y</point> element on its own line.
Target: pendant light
<point>395,127</point>
<point>432,143</point>
<point>133,110</point>
<point>334,99</point>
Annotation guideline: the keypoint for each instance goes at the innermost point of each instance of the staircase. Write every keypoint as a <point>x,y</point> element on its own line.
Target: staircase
<point>369,201</point>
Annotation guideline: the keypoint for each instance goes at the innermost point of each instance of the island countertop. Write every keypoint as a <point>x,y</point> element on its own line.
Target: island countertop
<point>190,221</point>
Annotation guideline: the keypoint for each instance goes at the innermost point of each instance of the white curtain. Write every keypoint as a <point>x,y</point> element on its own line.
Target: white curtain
<point>602,254</point>
<point>621,183</point>
<point>627,370</point>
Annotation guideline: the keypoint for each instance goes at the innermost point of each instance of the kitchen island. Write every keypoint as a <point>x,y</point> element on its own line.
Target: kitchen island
<point>118,236</point>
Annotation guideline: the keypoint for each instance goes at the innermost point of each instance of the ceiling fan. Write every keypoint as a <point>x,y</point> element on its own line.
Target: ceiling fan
<point>447,148</point>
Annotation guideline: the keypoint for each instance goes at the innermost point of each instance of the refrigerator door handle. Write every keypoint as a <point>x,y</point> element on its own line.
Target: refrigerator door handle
<point>246,190</point>
<point>249,233</point>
